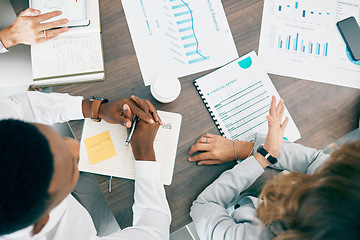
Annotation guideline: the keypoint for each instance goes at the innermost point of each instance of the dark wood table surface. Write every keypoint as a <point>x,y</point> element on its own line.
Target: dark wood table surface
<point>322,112</point>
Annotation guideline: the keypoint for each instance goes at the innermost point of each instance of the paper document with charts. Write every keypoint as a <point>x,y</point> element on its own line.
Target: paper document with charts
<point>238,98</point>
<point>179,37</point>
<point>103,150</point>
<point>300,39</point>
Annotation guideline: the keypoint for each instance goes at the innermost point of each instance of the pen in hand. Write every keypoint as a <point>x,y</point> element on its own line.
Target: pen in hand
<point>132,129</point>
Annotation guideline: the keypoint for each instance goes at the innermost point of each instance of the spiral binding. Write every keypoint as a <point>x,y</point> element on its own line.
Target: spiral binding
<point>209,109</point>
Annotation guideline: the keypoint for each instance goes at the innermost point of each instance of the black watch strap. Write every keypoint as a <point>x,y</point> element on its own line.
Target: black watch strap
<point>267,155</point>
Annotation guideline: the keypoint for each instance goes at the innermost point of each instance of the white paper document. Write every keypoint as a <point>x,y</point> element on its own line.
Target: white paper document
<point>179,37</point>
<point>238,97</point>
<point>300,39</point>
<point>123,164</point>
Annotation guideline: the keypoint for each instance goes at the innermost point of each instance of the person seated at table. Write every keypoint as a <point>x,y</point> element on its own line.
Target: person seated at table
<point>319,199</point>
<point>28,29</point>
<point>38,169</point>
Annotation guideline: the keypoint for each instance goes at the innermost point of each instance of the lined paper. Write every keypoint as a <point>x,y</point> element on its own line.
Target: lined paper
<point>238,97</point>
<point>123,165</point>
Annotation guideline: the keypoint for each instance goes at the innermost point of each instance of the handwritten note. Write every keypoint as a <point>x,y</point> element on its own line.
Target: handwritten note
<point>100,147</point>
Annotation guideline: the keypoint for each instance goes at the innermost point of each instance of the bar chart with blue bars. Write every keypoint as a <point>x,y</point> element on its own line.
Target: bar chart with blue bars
<point>189,41</point>
<point>301,10</point>
<point>297,44</point>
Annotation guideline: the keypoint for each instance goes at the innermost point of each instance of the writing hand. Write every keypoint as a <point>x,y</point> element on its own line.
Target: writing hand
<point>142,141</point>
<point>215,149</point>
<point>28,29</point>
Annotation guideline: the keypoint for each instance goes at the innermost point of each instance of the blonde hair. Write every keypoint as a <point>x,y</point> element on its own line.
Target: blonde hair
<point>325,205</point>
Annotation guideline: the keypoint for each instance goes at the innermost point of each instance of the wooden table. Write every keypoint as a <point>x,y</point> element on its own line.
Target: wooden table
<point>322,112</point>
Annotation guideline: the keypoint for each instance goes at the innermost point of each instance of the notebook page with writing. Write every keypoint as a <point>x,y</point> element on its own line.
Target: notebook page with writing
<point>73,56</point>
<point>123,165</point>
<point>238,97</point>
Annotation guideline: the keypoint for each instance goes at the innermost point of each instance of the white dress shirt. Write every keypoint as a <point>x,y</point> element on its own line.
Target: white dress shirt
<point>69,220</point>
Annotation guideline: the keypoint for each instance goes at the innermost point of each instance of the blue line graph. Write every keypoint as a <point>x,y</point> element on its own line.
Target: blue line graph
<point>192,25</point>
<point>184,20</point>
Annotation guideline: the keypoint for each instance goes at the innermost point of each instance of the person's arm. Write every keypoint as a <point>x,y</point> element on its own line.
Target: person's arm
<point>152,215</point>
<point>209,212</point>
<point>295,157</point>
<point>49,108</point>
<point>28,29</point>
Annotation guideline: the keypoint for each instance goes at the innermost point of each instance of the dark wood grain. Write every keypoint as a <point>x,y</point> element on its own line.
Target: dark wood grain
<point>322,112</point>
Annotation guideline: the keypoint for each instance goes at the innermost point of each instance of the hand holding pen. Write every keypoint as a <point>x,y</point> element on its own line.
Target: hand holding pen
<point>132,129</point>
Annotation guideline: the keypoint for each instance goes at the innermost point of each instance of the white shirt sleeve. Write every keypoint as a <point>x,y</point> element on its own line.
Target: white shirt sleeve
<point>152,215</point>
<point>2,48</point>
<point>46,108</point>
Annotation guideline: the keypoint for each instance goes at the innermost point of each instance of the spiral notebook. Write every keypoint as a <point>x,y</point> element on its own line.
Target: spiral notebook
<point>103,150</point>
<point>238,97</point>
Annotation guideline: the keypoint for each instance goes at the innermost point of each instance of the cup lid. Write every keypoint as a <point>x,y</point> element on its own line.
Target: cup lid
<point>166,88</point>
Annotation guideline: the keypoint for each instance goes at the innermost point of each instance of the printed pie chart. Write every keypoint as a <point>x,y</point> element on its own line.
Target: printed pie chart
<point>351,59</point>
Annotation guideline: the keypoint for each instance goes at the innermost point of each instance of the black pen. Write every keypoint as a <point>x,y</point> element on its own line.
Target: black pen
<point>132,129</point>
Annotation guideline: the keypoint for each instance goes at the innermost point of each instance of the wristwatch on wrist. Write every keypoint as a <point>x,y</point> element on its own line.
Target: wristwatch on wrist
<point>95,107</point>
<point>266,155</point>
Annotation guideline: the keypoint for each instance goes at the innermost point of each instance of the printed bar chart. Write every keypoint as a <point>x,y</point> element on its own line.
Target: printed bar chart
<point>185,22</point>
<point>304,46</point>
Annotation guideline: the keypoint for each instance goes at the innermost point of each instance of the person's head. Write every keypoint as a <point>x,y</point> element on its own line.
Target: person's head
<point>38,169</point>
<point>325,205</point>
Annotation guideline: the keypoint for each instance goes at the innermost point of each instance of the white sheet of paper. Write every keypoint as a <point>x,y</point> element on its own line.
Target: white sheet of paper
<point>179,37</point>
<point>300,39</point>
<point>77,51</point>
<point>123,165</point>
<point>239,96</point>
<point>74,10</point>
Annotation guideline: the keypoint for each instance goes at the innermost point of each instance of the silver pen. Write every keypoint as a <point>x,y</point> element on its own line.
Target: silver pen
<point>132,129</point>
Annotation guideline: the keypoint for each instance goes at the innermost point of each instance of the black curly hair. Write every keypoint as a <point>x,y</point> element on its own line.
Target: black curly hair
<point>26,168</point>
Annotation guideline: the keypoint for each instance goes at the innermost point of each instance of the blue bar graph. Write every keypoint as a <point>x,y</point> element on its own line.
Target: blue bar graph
<point>181,14</point>
<point>181,10</point>
<point>296,43</point>
<point>187,37</point>
<point>279,8</point>
<point>303,13</point>
<point>296,5</point>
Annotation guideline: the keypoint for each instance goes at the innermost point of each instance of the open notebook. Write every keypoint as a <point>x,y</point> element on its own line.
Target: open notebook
<point>238,98</point>
<point>74,56</point>
<point>123,164</point>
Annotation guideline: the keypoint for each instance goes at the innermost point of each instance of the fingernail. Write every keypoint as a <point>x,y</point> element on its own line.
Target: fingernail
<point>151,121</point>
<point>66,29</point>
<point>128,124</point>
<point>59,12</point>
<point>189,159</point>
<point>125,107</point>
<point>66,20</point>
<point>37,12</point>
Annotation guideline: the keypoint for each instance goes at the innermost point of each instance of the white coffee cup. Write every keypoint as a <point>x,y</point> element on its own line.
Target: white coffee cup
<point>166,88</point>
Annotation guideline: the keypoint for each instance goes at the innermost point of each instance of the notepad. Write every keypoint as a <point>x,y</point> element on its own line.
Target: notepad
<point>123,164</point>
<point>238,98</point>
<point>74,56</point>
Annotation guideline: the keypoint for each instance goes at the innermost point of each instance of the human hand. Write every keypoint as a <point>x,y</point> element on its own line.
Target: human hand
<point>121,111</point>
<point>276,130</point>
<point>142,141</point>
<point>217,150</point>
<point>28,29</point>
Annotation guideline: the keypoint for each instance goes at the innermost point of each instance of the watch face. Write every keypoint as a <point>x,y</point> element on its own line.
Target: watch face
<point>103,100</point>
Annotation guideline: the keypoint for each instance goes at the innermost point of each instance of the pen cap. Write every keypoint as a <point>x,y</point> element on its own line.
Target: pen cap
<point>166,88</point>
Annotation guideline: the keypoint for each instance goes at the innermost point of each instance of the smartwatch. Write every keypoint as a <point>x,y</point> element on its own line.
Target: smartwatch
<point>95,107</point>
<point>266,155</point>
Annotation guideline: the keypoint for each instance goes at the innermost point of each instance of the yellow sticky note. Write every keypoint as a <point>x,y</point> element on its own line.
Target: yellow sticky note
<point>100,147</point>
